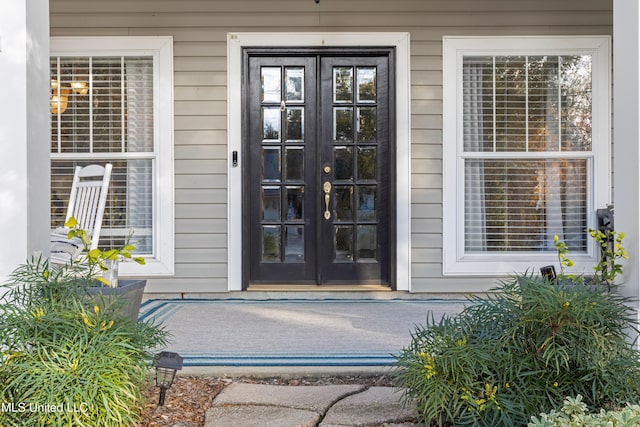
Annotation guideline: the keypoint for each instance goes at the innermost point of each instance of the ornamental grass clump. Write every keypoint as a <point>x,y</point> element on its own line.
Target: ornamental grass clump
<point>519,352</point>
<point>69,360</point>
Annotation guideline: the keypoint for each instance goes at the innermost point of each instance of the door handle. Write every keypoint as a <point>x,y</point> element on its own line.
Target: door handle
<point>326,187</point>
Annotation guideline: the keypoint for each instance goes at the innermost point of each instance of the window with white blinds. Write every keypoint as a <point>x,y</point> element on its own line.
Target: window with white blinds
<point>523,146</point>
<point>536,110</point>
<point>105,108</point>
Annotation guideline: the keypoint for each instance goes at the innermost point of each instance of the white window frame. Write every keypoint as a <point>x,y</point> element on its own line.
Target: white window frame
<point>455,260</point>
<point>161,262</point>
<point>401,42</point>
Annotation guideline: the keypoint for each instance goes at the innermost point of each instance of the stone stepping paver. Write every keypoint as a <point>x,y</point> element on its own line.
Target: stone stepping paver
<point>248,405</point>
<point>264,416</point>
<point>312,398</point>
<point>374,406</point>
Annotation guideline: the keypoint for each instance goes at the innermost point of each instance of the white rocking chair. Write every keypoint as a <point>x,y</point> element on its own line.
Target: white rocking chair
<point>87,202</point>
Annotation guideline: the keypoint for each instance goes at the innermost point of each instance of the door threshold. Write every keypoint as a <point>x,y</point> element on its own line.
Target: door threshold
<point>253,287</point>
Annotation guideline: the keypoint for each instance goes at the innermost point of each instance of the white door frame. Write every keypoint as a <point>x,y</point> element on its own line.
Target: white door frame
<point>400,41</point>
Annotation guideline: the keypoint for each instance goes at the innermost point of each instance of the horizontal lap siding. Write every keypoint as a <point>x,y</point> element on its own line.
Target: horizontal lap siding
<point>199,28</point>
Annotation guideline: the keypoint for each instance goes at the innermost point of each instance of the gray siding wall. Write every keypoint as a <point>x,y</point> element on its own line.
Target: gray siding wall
<point>199,29</point>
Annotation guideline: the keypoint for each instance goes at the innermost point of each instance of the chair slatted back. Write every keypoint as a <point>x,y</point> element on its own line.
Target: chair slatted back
<point>88,198</point>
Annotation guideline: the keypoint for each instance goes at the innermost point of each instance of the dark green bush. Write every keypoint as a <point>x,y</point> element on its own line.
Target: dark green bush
<point>519,352</point>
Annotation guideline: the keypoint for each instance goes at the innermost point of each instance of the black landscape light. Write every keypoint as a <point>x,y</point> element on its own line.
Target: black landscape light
<point>167,364</point>
<point>549,273</point>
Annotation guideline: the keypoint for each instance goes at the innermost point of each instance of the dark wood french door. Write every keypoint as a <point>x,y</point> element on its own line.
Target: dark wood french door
<point>317,168</point>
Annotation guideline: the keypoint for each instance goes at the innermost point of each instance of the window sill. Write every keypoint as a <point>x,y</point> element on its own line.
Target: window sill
<point>152,268</point>
<point>509,265</point>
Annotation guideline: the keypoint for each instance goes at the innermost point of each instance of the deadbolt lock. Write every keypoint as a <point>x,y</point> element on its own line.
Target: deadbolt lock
<point>326,169</point>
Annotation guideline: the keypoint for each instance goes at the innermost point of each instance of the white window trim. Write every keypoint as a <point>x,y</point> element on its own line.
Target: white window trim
<point>235,43</point>
<point>455,261</point>
<point>161,49</point>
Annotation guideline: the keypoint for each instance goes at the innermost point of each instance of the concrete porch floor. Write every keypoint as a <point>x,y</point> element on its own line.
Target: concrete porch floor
<point>294,333</point>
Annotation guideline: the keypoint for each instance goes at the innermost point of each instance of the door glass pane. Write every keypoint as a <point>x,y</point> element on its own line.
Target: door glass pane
<point>294,243</point>
<point>271,78</point>
<point>367,163</point>
<point>366,241</point>
<point>343,202</point>
<point>367,123</point>
<point>344,243</point>
<point>343,163</point>
<point>271,124</point>
<point>271,164</point>
<point>271,243</point>
<point>343,123</point>
<point>271,203</point>
<point>295,203</point>
<point>294,163</point>
<point>366,84</point>
<point>366,203</point>
<point>343,84</point>
<point>294,130</point>
<point>295,84</point>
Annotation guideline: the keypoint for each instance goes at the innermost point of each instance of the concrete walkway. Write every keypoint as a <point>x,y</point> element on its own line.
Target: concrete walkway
<point>250,405</point>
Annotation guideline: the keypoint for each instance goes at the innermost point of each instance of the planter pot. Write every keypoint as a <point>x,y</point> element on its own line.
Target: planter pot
<point>125,300</point>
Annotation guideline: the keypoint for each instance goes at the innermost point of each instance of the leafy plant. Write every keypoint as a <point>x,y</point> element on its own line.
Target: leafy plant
<point>518,352</point>
<point>611,250</point>
<point>65,359</point>
<point>562,249</point>
<point>574,412</point>
<point>96,258</point>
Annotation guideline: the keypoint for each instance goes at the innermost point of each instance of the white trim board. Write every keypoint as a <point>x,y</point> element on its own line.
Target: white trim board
<point>400,41</point>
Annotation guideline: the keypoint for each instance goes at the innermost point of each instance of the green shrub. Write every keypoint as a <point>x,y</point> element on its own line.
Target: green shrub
<point>65,359</point>
<point>518,352</point>
<point>574,414</point>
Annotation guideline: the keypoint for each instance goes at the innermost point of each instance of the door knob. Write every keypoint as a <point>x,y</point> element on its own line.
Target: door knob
<point>326,187</point>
